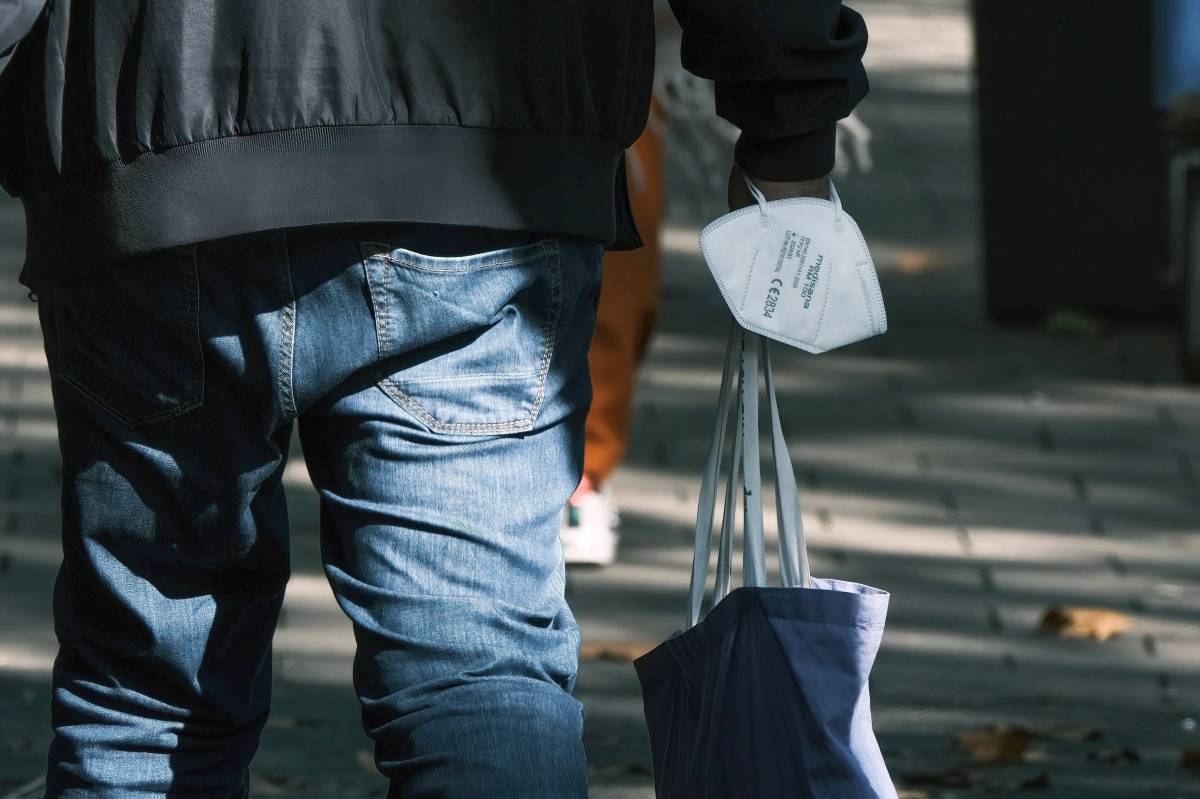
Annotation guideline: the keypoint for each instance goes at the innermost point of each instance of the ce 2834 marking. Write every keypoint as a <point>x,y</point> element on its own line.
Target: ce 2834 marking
<point>772,300</point>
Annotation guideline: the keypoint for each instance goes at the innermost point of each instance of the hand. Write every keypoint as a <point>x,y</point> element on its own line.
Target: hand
<point>740,196</point>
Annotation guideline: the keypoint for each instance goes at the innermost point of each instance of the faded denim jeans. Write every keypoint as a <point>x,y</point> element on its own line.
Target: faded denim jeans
<point>439,379</point>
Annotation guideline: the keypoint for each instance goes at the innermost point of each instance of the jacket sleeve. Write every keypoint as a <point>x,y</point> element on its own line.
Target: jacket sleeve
<point>16,18</point>
<point>785,71</point>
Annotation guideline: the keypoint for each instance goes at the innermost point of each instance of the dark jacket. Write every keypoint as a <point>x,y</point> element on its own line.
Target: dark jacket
<point>129,125</point>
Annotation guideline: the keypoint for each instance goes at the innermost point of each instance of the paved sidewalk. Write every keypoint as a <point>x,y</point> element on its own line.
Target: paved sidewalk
<point>981,475</point>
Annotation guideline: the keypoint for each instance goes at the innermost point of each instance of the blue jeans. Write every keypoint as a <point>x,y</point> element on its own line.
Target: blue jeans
<point>440,382</point>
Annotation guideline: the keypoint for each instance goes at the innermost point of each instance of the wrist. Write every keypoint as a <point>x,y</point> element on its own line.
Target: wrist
<point>782,189</point>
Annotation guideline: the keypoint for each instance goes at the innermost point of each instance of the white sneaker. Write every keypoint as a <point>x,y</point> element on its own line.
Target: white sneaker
<point>588,531</point>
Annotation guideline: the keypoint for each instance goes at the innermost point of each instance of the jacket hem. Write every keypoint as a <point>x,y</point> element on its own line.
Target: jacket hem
<point>553,183</point>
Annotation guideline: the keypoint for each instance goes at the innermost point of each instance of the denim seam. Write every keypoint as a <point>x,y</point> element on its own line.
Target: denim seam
<point>520,425</point>
<point>132,422</point>
<point>478,377</point>
<point>287,344</point>
<point>551,251</point>
<point>550,332</point>
<point>376,280</point>
<point>191,310</point>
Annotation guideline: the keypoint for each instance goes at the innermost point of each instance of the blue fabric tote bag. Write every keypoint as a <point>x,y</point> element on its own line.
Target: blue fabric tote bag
<point>766,696</point>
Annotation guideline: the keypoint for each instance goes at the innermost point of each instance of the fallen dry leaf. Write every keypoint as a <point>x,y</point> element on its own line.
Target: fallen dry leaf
<point>993,745</point>
<point>1191,761</point>
<point>614,651</point>
<point>1071,622</point>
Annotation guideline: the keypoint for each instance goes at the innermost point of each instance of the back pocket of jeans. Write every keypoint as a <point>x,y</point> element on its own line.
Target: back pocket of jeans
<point>465,342</point>
<point>128,336</point>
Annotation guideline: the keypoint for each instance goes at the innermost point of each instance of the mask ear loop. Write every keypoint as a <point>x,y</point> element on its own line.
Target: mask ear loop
<point>837,206</point>
<point>834,198</point>
<point>764,217</point>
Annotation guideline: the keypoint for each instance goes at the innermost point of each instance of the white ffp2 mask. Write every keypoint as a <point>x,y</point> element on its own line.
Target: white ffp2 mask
<point>797,271</point>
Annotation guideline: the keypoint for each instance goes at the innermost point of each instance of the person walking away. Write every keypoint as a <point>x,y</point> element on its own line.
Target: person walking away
<point>382,222</point>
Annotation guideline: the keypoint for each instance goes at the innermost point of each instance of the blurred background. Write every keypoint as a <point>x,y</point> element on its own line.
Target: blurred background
<point>1016,461</point>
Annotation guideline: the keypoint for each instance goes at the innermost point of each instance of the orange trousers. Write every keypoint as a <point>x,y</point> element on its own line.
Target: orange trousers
<point>629,297</point>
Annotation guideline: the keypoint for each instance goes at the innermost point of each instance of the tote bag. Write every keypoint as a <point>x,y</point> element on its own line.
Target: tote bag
<point>766,695</point>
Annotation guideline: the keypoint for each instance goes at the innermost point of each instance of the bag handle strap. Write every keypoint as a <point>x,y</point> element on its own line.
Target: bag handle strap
<point>747,351</point>
<point>721,585</point>
<point>754,570</point>
<point>793,547</point>
<point>708,498</point>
